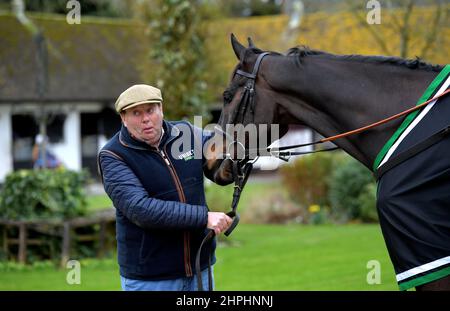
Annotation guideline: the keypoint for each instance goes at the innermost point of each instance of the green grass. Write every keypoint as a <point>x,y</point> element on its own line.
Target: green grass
<point>219,197</point>
<point>259,257</point>
<point>95,275</point>
<point>273,257</point>
<point>98,202</point>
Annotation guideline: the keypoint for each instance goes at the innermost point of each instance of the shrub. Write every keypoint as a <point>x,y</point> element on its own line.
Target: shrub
<point>307,178</point>
<point>352,192</point>
<point>332,185</point>
<point>218,197</point>
<point>318,215</point>
<point>272,209</point>
<point>38,194</point>
<point>367,203</point>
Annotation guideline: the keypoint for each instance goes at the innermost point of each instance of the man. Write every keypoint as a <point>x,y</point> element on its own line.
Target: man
<point>51,161</point>
<point>158,194</point>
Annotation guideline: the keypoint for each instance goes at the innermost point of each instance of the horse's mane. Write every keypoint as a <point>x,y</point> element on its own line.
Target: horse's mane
<point>303,51</point>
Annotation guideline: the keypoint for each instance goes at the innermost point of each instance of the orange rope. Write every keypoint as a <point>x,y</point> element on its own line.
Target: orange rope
<point>361,129</point>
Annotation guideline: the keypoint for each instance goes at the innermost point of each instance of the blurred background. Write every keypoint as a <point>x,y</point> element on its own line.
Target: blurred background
<point>62,66</point>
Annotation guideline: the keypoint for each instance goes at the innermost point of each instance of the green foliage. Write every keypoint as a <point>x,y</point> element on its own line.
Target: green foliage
<point>307,178</point>
<point>39,194</point>
<point>104,8</point>
<point>272,208</point>
<point>251,7</point>
<point>218,197</point>
<point>353,192</point>
<point>318,215</point>
<point>177,51</point>
<point>367,203</point>
<point>331,186</point>
<point>260,202</point>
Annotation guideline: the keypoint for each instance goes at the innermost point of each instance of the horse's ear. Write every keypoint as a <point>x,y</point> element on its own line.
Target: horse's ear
<point>250,43</point>
<point>237,47</point>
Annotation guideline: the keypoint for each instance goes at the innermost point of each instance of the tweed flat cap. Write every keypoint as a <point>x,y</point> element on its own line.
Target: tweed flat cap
<point>137,95</point>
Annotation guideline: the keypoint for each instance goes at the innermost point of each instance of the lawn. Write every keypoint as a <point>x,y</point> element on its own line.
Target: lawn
<point>98,202</point>
<point>274,257</point>
<point>218,197</point>
<point>257,257</point>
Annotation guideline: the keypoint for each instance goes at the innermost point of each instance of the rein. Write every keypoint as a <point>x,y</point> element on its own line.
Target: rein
<point>352,132</point>
<point>241,173</point>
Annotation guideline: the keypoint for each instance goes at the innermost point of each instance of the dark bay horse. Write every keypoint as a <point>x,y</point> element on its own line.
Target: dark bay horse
<point>333,94</point>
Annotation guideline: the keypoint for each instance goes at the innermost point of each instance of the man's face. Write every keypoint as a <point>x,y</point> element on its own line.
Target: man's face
<point>144,122</point>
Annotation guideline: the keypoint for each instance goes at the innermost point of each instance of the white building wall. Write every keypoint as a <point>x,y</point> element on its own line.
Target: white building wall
<point>293,137</point>
<point>6,158</point>
<point>102,140</point>
<point>69,150</point>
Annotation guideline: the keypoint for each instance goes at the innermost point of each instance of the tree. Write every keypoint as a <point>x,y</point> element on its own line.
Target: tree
<point>108,8</point>
<point>250,7</point>
<point>295,9</point>
<point>397,15</point>
<point>42,77</point>
<point>177,34</point>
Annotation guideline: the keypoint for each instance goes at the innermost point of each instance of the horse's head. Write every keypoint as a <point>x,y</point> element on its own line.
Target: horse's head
<point>248,99</point>
<point>249,114</point>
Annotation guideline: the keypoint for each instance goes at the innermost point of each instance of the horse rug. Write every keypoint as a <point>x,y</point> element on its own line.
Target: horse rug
<point>413,197</point>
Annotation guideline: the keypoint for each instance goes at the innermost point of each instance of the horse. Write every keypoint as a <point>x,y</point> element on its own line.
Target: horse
<point>337,93</point>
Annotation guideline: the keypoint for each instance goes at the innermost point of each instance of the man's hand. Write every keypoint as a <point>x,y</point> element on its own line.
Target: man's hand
<point>219,222</point>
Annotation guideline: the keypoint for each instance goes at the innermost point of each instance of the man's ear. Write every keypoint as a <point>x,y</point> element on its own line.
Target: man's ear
<point>122,117</point>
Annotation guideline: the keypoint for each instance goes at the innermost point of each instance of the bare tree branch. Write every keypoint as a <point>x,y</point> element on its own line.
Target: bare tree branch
<point>355,10</point>
<point>405,30</point>
<point>393,17</point>
<point>432,34</point>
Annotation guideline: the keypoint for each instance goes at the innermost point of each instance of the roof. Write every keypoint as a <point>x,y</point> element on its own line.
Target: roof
<point>92,61</point>
<point>99,58</point>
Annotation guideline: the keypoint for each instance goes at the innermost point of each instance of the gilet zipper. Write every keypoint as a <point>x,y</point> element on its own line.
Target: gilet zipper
<point>186,234</point>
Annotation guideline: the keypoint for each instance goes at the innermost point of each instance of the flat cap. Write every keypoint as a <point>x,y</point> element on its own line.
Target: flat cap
<point>137,95</point>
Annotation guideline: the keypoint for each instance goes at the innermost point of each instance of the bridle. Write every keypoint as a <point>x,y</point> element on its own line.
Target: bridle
<point>247,102</point>
<point>242,167</point>
<point>241,173</point>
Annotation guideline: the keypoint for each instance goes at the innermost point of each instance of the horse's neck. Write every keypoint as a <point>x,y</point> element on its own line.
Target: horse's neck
<point>333,96</point>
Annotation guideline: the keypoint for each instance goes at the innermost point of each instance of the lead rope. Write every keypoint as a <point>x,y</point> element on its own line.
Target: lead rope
<point>280,152</point>
<point>240,176</point>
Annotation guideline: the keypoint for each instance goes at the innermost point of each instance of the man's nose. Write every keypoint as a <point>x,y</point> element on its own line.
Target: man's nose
<point>146,117</point>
